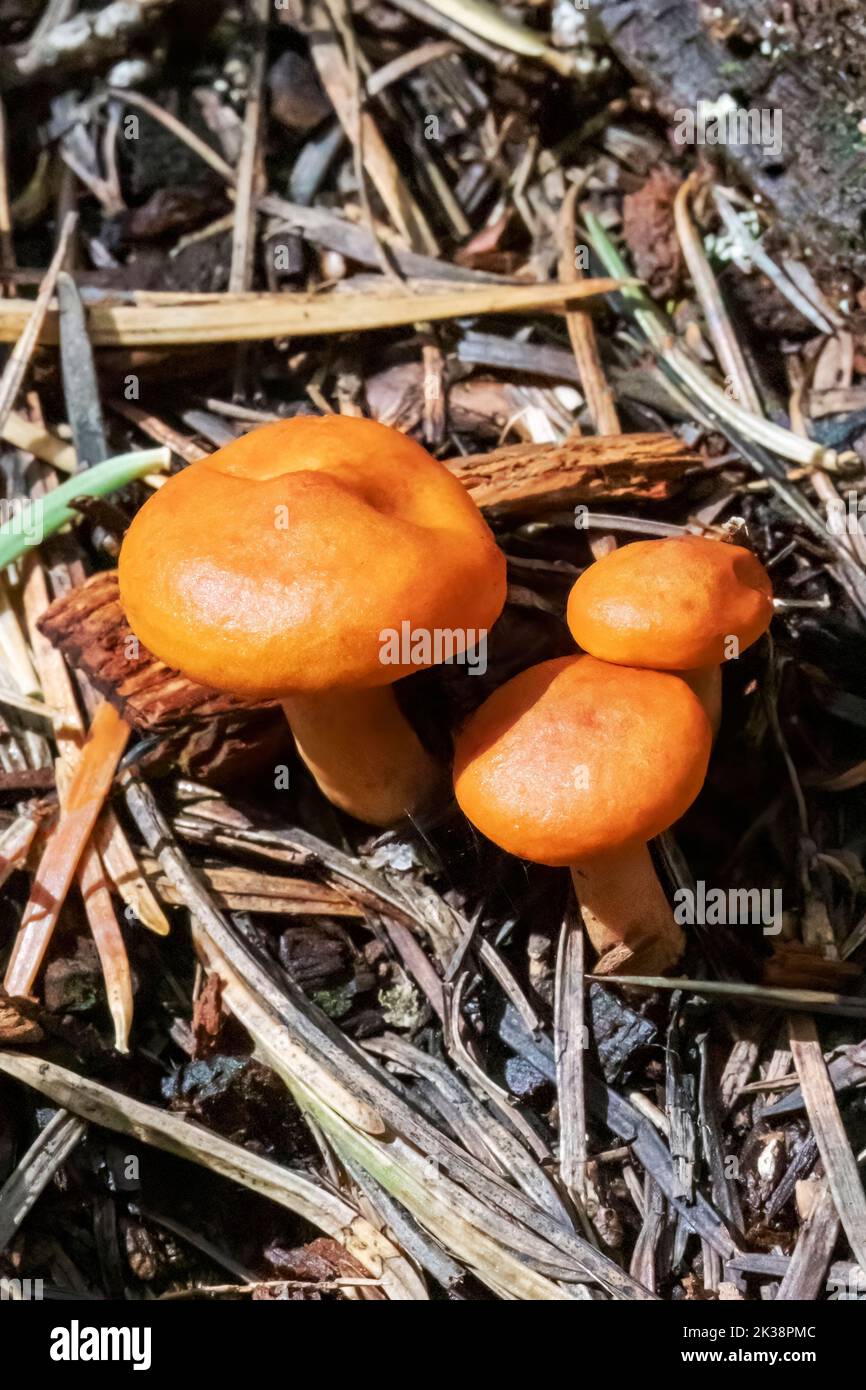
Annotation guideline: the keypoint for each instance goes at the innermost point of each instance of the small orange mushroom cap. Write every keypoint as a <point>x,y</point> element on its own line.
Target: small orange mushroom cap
<point>274,566</point>
<point>575,757</point>
<point>671,604</point>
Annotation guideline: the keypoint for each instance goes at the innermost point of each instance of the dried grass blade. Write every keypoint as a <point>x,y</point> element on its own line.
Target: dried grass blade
<point>276,1013</point>
<point>109,943</point>
<point>15,843</point>
<point>122,867</point>
<point>27,705</point>
<point>809,1000</point>
<point>492,1139</point>
<point>840,1165</point>
<point>751,248</point>
<point>569,1032</point>
<point>429,1195</point>
<point>690,375</point>
<point>807,1271</point>
<point>725,341</point>
<point>248,318</point>
<point>243,234</point>
<point>31,329</point>
<point>492,1243</point>
<point>46,1155</point>
<point>22,433</point>
<point>104,927</point>
<point>322,1207</point>
<point>487,23</point>
<point>341,83</point>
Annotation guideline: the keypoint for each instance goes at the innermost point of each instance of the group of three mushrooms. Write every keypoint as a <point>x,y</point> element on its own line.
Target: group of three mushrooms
<point>273,568</point>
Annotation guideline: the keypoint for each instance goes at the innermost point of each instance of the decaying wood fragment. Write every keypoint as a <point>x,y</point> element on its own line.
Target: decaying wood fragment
<point>549,477</point>
<point>89,627</point>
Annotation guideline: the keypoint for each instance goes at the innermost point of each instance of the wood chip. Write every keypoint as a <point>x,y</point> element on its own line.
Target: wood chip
<point>545,477</point>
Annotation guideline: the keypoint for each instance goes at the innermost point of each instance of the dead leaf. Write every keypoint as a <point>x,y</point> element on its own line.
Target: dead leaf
<point>650,234</point>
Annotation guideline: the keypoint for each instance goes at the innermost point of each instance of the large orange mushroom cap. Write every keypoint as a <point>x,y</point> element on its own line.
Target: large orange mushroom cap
<point>671,604</point>
<point>274,566</point>
<point>575,757</point>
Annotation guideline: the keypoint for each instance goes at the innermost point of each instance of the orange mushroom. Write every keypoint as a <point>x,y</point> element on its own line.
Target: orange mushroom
<point>579,762</point>
<point>685,604</point>
<point>278,567</point>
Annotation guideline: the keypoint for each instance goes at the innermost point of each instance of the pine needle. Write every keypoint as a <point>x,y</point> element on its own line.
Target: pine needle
<point>88,788</point>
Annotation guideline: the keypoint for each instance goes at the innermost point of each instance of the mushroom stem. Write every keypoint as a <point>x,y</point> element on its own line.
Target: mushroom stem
<point>706,683</point>
<point>627,916</point>
<point>363,752</point>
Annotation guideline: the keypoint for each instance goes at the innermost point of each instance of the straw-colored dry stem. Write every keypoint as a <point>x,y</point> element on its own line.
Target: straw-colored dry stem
<point>102,920</point>
<point>171,320</point>
<point>31,321</point>
<point>731,357</point>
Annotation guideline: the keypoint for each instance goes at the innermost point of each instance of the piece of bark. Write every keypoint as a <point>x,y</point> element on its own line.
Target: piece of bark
<point>552,477</point>
<point>479,405</point>
<point>800,965</point>
<point>208,1016</point>
<point>89,626</point>
<point>28,779</point>
<point>800,62</point>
